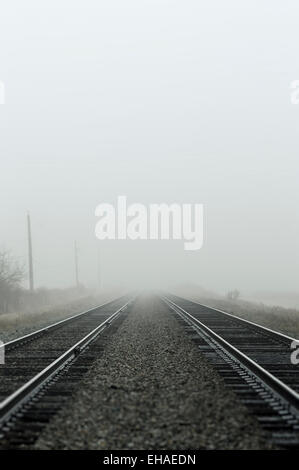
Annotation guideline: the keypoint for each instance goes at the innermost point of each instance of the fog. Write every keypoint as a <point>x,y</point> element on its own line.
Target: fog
<point>161,101</point>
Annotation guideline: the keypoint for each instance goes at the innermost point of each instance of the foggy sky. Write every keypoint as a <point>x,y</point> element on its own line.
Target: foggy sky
<point>161,101</point>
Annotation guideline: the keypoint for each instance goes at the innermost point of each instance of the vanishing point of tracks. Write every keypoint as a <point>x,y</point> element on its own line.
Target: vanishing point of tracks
<point>42,369</point>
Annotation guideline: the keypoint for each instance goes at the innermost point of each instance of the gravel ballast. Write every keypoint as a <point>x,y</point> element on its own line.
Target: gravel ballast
<point>152,389</point>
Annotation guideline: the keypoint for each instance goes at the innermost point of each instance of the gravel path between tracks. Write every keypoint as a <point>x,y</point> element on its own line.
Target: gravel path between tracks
<point>152,389</point>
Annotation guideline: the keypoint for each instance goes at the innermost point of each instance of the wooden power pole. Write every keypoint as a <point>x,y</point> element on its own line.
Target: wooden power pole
<point>99,270</point>
<point>30,259</point>
<point>76,263</point>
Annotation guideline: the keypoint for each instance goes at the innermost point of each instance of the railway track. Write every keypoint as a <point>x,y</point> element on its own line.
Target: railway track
<point>254,362</point>
<point>41,370</point>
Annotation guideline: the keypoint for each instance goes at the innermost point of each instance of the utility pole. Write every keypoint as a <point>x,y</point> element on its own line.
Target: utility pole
<point>99,270</point>
<point>31,282</point>
<point>76,263</point>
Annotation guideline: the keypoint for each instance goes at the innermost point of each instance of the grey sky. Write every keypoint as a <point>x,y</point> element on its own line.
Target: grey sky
<point>163,101</point>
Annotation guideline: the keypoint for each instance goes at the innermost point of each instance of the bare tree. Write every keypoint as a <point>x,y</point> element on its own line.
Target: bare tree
<point>11,275</point>
<point>11,271</point>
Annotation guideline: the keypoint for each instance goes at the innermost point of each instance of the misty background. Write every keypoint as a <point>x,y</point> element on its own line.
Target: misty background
<point>161,101</point>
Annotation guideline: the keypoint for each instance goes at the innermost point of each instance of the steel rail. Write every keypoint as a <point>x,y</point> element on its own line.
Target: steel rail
<point>244,320</point>
<point>37,333</point>
<point>17,399</point>
<point>283,391</point>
